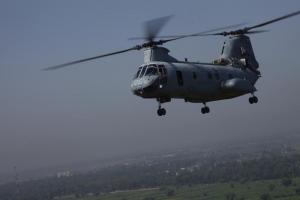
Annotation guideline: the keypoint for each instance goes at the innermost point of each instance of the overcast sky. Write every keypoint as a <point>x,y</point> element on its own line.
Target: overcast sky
<point>88,112</point>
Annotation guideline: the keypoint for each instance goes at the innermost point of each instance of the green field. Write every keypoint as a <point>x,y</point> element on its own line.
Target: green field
<point>271,189</point>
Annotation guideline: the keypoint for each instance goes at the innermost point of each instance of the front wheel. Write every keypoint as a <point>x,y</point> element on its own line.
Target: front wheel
<point>161,112</point>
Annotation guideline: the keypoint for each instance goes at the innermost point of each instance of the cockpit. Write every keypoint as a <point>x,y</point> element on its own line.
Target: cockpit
<point>151,70</point>
<point>149,78</point>
<point>147,70</point>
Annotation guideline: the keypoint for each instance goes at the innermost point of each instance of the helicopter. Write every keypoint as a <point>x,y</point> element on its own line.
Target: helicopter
<point>163,77</point>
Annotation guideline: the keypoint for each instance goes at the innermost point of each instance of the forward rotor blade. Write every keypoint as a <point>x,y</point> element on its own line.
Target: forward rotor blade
<point>91,58</point>
<point>153,27</point>
<point>258,31</point>
<point>273,20</point>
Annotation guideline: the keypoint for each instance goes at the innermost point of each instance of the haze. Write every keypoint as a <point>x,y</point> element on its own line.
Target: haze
<point>87,111</point>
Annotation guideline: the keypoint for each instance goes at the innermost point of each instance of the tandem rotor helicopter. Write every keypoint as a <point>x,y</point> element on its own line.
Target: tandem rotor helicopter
<point>163,77</point>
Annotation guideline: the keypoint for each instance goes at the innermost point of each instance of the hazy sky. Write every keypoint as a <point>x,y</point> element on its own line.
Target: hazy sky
<point>87,111</point>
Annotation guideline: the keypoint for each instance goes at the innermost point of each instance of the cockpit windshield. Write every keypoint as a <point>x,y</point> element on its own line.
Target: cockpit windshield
<point>151,70</point>
<point>147,70</point>
<point>138,72</point>
<point>143,71</point>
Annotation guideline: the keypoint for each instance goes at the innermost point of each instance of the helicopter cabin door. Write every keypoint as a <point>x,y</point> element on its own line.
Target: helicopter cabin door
<point>163,77</point>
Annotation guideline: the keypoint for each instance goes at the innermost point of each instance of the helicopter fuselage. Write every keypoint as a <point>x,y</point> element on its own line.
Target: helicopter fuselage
<point>192,82</point>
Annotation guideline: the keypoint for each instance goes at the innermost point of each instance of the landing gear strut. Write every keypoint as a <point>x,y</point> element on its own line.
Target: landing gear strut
<point>205,109</point>
<point>253,99</point>
<point>161,111</point>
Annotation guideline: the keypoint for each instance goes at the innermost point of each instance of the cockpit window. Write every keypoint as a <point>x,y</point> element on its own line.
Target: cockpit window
<point>151,70</point>
<point>138,72</point>
<point>143,71</point>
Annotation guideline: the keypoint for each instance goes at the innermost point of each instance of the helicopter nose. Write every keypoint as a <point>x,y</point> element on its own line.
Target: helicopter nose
<point>144,86</point>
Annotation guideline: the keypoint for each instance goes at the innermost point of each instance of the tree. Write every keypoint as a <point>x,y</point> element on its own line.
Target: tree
<point>170,193</point>
<point>286,182</point>
<point>149,198</point>
<point>230,196</point>
<point>271,187</point>
<point>265,197</point>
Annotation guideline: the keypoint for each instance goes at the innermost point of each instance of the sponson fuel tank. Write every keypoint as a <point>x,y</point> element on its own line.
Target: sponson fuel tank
<point>237,85</point>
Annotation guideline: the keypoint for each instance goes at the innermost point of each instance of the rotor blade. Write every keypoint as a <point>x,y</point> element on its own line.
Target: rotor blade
<point>258,31</point>
<point>91,58</point>
<point>193,35</point>
<point>204,32</point>
<point>273,20</point>
<point>246,30</point>
<point>153,27</point>
<point>234,32</point>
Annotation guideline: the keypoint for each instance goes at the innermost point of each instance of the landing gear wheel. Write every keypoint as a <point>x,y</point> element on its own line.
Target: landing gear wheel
<point>205,110</point>
<point>253,99</point>
<point>161,112</point>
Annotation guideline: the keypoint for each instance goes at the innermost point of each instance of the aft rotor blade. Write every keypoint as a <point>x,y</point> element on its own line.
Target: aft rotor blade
<point>246,30</point>
<point>203,33</point>
<point>236,32</point>
<point>273,20</point>
<point>91,58</point>
<point>153,27</point>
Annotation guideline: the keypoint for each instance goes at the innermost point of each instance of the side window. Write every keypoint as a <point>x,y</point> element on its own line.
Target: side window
<point>209,75</point>
<point>162,70</point>
<point>163,74</point>
<point>194,75</point>
<point>179,78</point>
<point>165,71</point>
<point>230,76</point>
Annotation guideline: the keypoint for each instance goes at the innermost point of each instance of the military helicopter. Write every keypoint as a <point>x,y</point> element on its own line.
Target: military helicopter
<point>163,77</point>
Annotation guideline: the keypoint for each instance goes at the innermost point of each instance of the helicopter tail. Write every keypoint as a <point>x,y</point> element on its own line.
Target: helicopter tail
<point>239,48</point>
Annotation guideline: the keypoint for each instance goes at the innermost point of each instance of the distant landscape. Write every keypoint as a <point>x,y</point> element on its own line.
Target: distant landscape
<point>265,169</point>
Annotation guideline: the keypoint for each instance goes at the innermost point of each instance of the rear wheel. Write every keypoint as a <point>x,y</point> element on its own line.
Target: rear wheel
<point>255,99</point>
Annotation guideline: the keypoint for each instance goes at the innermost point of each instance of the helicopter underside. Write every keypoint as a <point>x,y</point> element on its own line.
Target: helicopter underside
<point>193,98</point>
